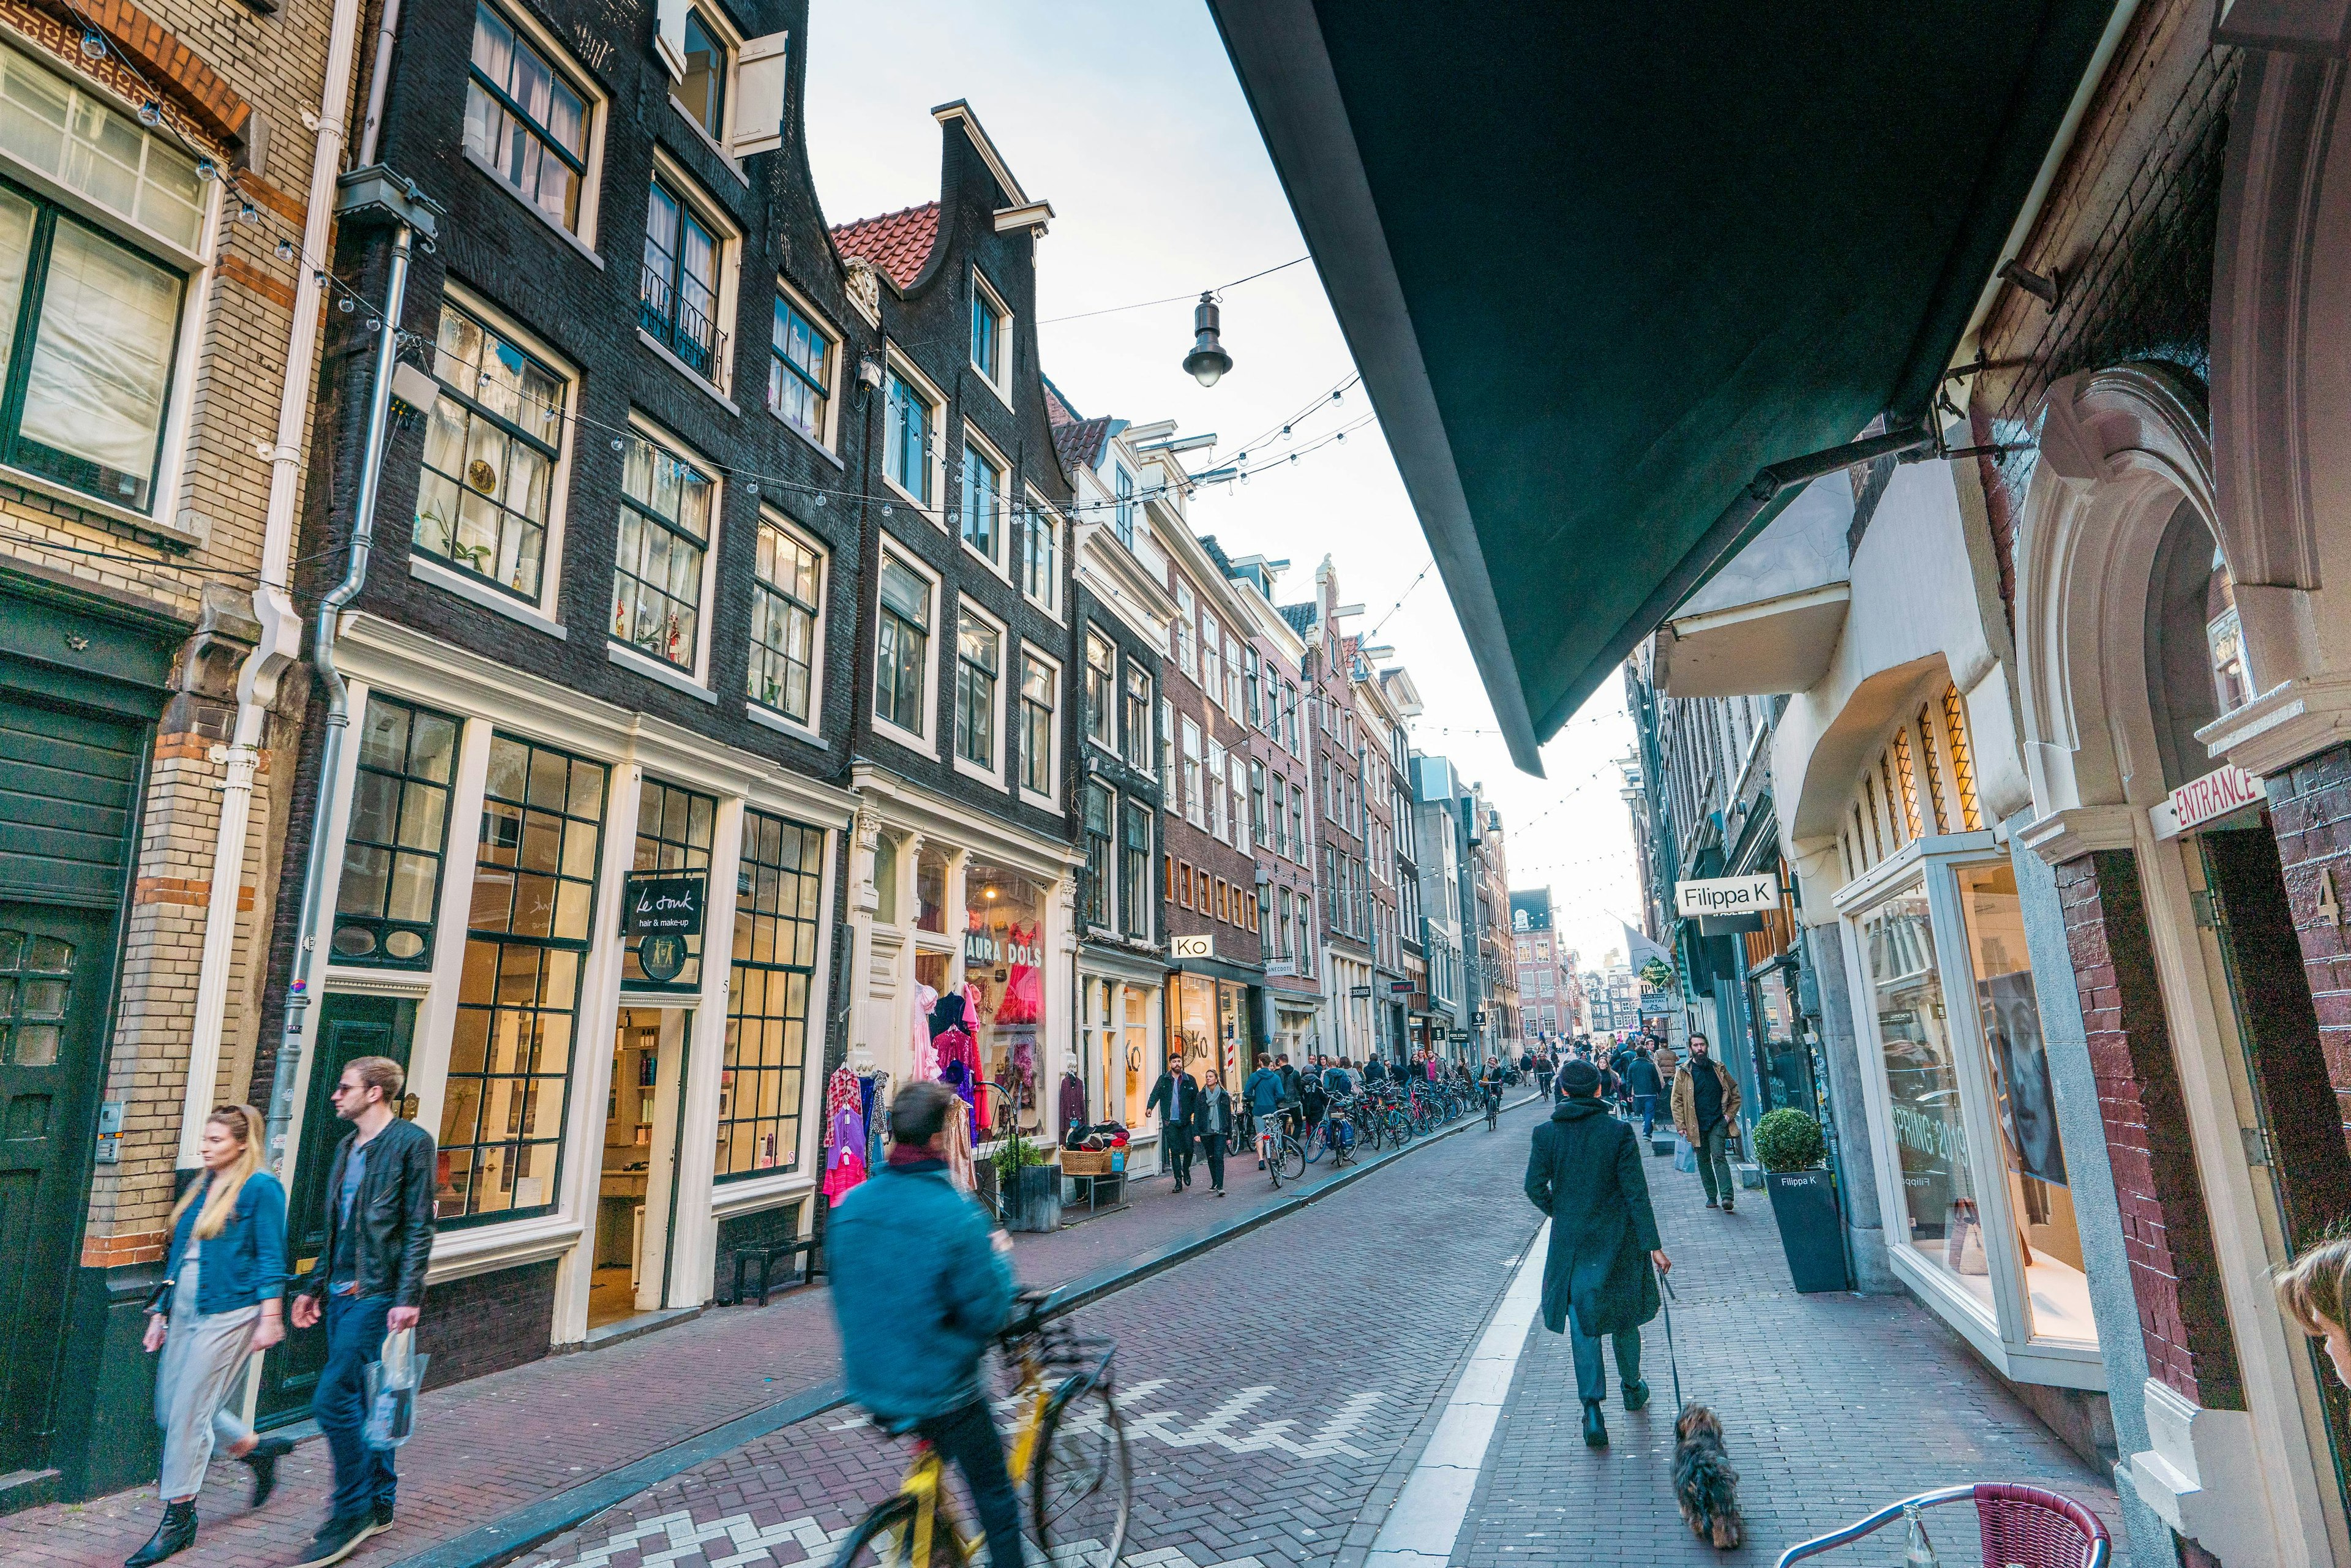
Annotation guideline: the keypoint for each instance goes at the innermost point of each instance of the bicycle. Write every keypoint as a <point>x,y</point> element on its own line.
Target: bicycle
<point>1069,1448</point>
<point>1281,1152</point>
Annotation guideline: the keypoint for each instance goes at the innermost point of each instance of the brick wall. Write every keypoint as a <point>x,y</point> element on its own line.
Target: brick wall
<point>2167,1231</point>
<point>2310,812</point>
<point>487,1322</point>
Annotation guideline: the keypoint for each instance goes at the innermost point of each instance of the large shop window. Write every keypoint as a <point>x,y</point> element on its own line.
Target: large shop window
<point>666,516</point>
<point>776,913</point>
<point>673,834</point>
<point>391,889</point>
<point>524,122</point>
<point>1971,1111</point>
<point>1004,989</point>
<point>528,935</point>
<point>786,596</point>
<point>490,454</point>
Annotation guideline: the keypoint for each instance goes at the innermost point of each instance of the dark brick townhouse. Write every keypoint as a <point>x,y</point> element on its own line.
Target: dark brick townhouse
<point>1336,794</point>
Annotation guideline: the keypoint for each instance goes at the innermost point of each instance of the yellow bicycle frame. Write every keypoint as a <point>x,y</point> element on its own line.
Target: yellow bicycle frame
<point>925,1478</point>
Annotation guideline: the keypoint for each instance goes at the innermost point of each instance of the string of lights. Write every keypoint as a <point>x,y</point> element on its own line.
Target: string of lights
<point>1173,298</point>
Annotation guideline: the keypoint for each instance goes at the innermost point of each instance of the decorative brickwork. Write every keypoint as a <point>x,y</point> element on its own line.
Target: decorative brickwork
<point>2167,1231</point>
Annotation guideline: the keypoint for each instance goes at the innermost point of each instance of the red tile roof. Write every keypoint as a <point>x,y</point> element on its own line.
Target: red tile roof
<point>898,243</point>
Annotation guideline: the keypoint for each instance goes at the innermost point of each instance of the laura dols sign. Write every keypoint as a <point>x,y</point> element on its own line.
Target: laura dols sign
<point>2226,788</point>
<point>1726,895</point>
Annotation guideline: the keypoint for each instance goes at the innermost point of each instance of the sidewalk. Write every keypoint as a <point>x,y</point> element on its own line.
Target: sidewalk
<point>487,1448</point>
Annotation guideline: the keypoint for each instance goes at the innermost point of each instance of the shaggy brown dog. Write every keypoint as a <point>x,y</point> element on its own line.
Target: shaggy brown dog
<point>1705,1485</point>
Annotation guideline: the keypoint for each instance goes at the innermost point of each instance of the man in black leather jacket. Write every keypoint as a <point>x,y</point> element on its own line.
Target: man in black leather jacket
<point>368,1281</point>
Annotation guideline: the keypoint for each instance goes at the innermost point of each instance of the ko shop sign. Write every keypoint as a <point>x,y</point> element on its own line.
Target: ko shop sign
<point>1726,895</point>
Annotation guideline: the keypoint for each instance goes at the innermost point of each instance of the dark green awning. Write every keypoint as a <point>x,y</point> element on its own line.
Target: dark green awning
<point>1599,263</point>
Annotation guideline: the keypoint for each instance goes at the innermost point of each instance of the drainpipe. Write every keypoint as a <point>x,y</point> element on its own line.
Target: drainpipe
<point>379,191</point>
<point>273,602</point>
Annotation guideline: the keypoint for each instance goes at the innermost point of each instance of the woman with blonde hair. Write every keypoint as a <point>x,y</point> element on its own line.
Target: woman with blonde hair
<point>2312,1289</point>
<point>218,1305</point>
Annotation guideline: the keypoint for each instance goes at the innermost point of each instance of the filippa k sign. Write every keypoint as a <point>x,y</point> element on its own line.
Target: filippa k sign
<point>1726,895</point>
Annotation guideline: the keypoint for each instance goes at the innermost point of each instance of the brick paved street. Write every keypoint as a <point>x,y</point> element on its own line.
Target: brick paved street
<point>489,1445</point>
<point>1278,1391</point>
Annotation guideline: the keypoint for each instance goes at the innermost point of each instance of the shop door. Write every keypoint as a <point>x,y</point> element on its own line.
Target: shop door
<point>2296,1128</point>
<point>56,966</point>
<point>348,1027</point>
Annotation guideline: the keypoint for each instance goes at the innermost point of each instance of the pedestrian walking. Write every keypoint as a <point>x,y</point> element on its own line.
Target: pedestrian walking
<point>1585,1173</point>
<point>368,1281</point>
<point>1705,1110</point>
<point>1641,1078</point>
<point>223,1275</point>
<point>1212,1124</point>
<point>1172,1097</point>
<point>1263,1093</point>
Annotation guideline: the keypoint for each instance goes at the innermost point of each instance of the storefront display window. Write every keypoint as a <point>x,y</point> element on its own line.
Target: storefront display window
<point>2057,1292</point>
<point>776,913</point>
<point>671,862</point>
<point>1138,1055</point>
<point>1194,1033</point>
<point>1922,1086</point>
<point>1004,989</point>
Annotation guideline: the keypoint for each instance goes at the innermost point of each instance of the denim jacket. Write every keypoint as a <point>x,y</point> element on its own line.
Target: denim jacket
<point>245,1265</point>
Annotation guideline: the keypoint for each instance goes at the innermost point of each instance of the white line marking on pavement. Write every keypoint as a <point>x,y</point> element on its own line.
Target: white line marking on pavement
<point>1420,1529</point>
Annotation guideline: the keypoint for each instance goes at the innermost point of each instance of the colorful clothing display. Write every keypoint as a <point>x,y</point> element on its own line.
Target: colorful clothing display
<point>1024,983</point>
<point>844,1159</point>
<point>926,1056</point>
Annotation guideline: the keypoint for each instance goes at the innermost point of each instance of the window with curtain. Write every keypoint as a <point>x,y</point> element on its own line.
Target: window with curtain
<point>903,647</point>
<point>390,895</point>
<point>778,903</point>
<point>678,288</point>
<point>788,586</point>
<point>1137,733</point>
<point>524,121</point>
<point>528,931</point>
<point>1102,667</point>
<point>981,506</point>
<point>491,445</point>
<point>907,416</point>
<point>1101,811</point>
<point>1036,703</point>
<point>665,515</point>
<point>1041,558</point>
<point>1134,872</point>
<point>799,370</point>
<point>979,656</point>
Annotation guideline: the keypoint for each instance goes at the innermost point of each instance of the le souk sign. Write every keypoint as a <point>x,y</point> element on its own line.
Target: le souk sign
<point>2226,788</point>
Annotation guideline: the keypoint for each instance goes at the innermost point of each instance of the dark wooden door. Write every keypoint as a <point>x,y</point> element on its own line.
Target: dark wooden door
<point>348,1027</point>
<point>55,972</point>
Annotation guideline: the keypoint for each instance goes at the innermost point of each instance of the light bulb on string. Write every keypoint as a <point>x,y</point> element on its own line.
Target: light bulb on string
<point>285,250</point>
<point>248,214</point>
<point>93,44</point>
<point>151,114</point>
<point>1285,432</point>
<point>345,306</point>
<point>820,497</point>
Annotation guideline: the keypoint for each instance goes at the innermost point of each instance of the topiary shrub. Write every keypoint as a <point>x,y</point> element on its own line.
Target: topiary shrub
<point>1788,1140</point>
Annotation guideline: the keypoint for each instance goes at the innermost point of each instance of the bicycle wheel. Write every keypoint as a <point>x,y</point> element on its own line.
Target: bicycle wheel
<point>1318,1139</point>
<point>1082,1486</point>
<point>1290,1158</point>
<point>886,1539</point>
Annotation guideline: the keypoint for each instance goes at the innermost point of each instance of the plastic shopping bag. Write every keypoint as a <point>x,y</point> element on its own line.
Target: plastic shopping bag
<point>393,1380</point>
<point>1685,1157</point>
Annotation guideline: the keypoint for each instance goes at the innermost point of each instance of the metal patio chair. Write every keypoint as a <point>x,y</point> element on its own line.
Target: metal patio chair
<point>2022,1527</point>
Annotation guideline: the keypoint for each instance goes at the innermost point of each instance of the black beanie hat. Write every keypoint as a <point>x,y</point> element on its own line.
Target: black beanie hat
<point>1580,1077</point>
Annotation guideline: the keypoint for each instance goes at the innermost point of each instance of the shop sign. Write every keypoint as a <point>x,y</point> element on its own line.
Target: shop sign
<point>1728,896</point>
<point>1196,946</point>
<point>1660,1004</point>
<point>1400,987</point>
<point>663,906</point>
<point>1362,993</point>
<point>1459,1036</point>
<point>2226,788</point>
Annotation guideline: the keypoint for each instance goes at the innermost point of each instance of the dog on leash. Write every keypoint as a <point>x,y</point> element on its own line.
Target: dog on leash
<point>1705,1485</point>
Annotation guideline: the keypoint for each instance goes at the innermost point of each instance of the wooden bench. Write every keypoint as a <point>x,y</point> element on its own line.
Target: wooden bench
<point>766,1253</point>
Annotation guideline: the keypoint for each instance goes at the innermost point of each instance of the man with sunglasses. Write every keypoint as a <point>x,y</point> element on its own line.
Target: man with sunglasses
<point>368,1281</point>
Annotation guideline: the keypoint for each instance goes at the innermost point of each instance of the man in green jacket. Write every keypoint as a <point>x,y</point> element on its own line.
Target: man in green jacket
<point>1585,1171</point>
<point>920,1291</point>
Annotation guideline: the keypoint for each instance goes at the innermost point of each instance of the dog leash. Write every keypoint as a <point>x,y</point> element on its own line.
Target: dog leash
<point>1672,1359</point>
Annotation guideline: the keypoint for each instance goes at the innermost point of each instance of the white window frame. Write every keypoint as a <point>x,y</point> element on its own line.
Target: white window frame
<point>711,215</point>
<point>1188,758</point>
<point>1237,795</point>
<point>1105,713</point>
<point>894,360</point>
<point>1212,660</point>
<point>540,612</point>
<point>1000,562</point>
<point>1213,767</point>
<point>827,441</point>
<point>1037,511</point>
<point>599,105</point>
<point>1185,630</point>
<point>998,772</point>
<point>697,681</point>
<point>1049,799</point>
<point>1000,384</point>
<point>926,741</point>
<point>759,712</point>
<point>730,40</point>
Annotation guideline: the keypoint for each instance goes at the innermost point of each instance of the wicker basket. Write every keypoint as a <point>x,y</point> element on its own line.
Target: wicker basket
<point>1085,1162</point>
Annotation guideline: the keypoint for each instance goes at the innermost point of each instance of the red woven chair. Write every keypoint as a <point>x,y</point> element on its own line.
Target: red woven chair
<point>2024,1526</point>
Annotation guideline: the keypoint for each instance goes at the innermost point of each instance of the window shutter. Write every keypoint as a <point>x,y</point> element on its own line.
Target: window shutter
<point>762,76</point>
<point>669,36</point>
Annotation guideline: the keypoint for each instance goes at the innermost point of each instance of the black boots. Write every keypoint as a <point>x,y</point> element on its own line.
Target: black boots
<point>173,1536</point>
<point>263,1462</point>
<point>1637,1394</point>
<point>1595,1431</point>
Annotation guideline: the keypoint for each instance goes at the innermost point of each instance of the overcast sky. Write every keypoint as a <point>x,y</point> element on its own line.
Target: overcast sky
<point>1125,115</point>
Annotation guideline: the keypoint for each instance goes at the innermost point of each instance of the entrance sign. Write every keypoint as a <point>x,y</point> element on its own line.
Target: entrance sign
<point>2226,788</point>
<point>1726,895</point>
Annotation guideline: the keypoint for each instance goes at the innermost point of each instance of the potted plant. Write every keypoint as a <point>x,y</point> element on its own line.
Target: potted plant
<point>1790,1148</point>
<point>1030,1188</point>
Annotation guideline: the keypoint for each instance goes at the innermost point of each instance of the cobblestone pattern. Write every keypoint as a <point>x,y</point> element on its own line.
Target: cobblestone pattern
<point>499,1442</point>
<point>1833,1407</point>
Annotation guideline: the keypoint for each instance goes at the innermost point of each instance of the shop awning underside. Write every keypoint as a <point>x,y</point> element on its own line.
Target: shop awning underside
<point>1600,264</point>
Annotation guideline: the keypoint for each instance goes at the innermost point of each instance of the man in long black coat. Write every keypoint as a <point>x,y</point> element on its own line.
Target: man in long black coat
<point>1585,1172</point>
<point>1174,1097</point>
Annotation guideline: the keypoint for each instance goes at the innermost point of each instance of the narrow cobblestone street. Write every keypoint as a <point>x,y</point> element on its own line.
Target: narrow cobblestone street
<point>1278,1390</point>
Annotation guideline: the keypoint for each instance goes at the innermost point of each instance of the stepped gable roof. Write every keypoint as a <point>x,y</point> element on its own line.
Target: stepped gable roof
<point>898,243</point>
